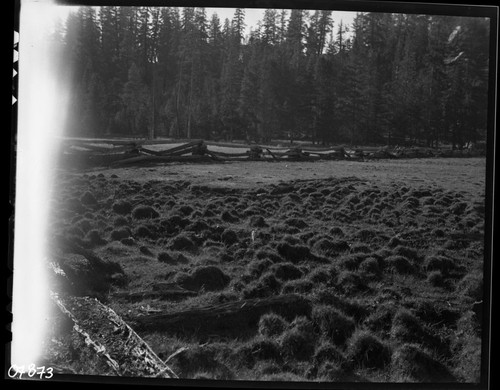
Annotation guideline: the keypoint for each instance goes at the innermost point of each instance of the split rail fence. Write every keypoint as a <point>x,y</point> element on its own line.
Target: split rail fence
<point>121,153</point>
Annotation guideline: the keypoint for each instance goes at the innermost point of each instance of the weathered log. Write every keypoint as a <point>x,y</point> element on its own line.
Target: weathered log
<point>162,159</point>
<point>111,338</point>
<point>231,317</point>
<point>188,145</point>
<point>144,150</point>
<point>167,292</point>
<point>223,154</point>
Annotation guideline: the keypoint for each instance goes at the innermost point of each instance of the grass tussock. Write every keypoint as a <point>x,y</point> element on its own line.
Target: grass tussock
<point>272,325</point>
<point>332,324</point>
<point>208,278</point>
<point>144,212</point>
<point>410,363</point>
<point>370,274</point>
<point>366,350</point>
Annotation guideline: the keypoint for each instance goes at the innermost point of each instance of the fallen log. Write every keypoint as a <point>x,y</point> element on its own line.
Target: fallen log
<point>164,291</point>
<point>104,149</point>
<point>143,159</point>
<point>179,148</point>
<point>223,154</point>
<point>146,294</point>
<point>231,317</point>
<point>111,338</point>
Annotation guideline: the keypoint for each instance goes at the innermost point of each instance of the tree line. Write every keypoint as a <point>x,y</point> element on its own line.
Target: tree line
<point>177,72</point>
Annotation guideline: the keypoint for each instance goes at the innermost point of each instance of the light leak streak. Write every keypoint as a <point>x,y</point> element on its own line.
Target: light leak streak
<point>41,115</point>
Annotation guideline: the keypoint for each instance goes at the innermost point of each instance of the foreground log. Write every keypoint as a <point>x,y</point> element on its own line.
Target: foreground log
<point>232,317</point>
<point>111,338</point>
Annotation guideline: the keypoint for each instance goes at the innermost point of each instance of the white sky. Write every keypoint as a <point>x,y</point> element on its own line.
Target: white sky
<point>252,15</point>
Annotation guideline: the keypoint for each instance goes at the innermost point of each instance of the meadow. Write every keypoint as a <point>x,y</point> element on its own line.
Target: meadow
<point>329,271</point>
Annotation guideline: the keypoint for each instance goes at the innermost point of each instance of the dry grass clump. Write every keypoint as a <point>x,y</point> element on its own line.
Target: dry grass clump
<point>352,261</point>
<point>332,324</point>
<point>330,247</point>
<point>410,363</point>
<point>182,242</point>
<point>360,248</point>
<point>297,286</point>
<point>369,266</point>
<point>260,348</point>
<point>296,222</point>
<point>380,320</point>
<point>95,238</point>
<point>257,267</point>
<point>439,263</point>
<point>293,253</point>
<point>144,212</point>
<point>85,225</point>
<point>400,264</point>
<point>286,271</point>
<point>120,233</point>
<point>436,278</point>
<point>350,282</point>
<point>332,372</point>
<point>120,221</point>
<point>122,207</point>
<point>466,348</point>
<point>323,275</point>
<point>257,221</point>
<point>297,342</point>
<point>272,325</point>
<point>409,253</point>
<point>268,253</point>
<point>408,328</point>
<point>229,237</point>
<point>394,242</point>
<point>174,223</point>
<point>88,198</point>
<point>350,307</point>
<point>202,361</point>
<point>328,352</point>
<point>471,286</point>
<point>365,350</point>
<point>144,231</point>
<point>198,226</point>
<point>229,216</point>
<point>129,241</point>
<point>208,278</point>
<point>266,286</point>
<point>173,258</point>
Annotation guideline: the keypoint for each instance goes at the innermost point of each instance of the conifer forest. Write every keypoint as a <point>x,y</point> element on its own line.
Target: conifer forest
<point>387,79</point>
